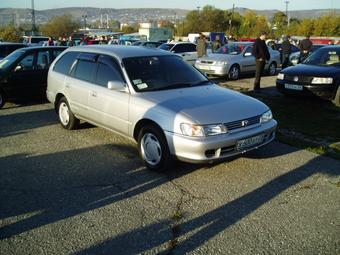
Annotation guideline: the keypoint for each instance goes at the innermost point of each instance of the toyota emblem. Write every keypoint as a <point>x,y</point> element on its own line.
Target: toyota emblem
<point>244,123</point>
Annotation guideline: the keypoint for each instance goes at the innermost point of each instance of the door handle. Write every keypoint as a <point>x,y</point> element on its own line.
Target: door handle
<point>93,93</point>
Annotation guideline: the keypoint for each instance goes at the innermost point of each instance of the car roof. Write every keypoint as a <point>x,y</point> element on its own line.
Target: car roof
<point>180,43</point>
<point>120,51</point>
<point>43,47</point>
<point>11,43</point>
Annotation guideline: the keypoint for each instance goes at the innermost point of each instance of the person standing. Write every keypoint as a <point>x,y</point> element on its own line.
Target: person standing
<point>201,46</point>
<point>305,48</point>
<point>261,54</point>
<point>217,43</point>
<point>286,51</point>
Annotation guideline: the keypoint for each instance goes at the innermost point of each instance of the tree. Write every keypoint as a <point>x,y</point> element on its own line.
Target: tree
<point>60,26</point>
<point>306,27</point>
<point>280,22</point>
<point>327,26</point>
<point>10,33</point>
<point>129,29</point>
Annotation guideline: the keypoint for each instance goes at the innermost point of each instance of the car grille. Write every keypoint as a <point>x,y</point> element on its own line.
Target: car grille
<point>207,62</point>
<point>243,123</point>
<point>307,79</point>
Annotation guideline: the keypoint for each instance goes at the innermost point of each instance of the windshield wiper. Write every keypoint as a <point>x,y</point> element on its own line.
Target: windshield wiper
<point>201,83</point>
<point>176,86</point>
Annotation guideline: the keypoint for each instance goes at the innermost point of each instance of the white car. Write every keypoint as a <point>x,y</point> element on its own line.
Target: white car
<point>186,50</point>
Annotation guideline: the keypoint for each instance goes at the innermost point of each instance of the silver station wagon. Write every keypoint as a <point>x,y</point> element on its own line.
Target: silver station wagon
<point>157,99</point>
<point>235,58</point>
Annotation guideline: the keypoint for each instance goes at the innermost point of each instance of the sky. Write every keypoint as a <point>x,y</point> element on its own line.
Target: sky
<point>181,4</point>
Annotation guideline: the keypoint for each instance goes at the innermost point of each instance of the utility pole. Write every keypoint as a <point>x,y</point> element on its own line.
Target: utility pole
<point>231,19</point>
<point>84,17</point>
<point>287,14</point>
<point>33,18</point>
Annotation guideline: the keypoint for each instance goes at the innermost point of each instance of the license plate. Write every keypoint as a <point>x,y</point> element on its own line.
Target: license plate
<point>294,87</point>
<point>249,142</point>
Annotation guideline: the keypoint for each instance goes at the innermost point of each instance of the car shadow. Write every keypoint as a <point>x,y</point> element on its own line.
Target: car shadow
<point>205,227</point>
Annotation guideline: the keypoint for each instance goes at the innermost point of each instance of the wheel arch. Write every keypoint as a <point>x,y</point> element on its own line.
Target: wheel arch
<point>142,123</point>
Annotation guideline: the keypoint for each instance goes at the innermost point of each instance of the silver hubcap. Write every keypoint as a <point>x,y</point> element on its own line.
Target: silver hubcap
<point>234,72</point>
<point>64,114</point>
<point>151,149</point>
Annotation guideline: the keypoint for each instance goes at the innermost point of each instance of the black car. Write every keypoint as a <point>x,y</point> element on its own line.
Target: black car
<point>8,48</point>
<point>318,75</point>
<point>23,73</point>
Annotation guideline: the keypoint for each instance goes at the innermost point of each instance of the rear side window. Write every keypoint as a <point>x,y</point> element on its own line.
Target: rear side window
<point>85,70</point>
<point>65,62</point>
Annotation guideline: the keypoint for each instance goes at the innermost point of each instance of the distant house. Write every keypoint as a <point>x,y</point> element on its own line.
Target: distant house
<point>156,33</point>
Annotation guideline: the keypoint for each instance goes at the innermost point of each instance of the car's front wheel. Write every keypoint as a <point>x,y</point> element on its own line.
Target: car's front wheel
<point>153,148</point>
<point>2,99</point>
<point>234,72</point>
<point>272,68</point>
<point>66,116</point>
<point>336,100</point>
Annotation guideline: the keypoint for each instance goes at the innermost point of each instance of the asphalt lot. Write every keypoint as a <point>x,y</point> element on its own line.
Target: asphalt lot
<point>86,192</point>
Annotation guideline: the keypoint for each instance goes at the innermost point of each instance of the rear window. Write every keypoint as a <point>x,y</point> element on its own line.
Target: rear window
<point>65,62</point>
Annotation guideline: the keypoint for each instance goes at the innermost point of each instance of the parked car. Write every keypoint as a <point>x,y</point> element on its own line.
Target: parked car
<point>8,48</point>
<point>235,58</point>
<point>23,73</point>
<point>148,44</point>
<point>158,100</point>
<point>186,50</point>
<point>294,58</point>
<point>318,75</point>
<point>34,40</point>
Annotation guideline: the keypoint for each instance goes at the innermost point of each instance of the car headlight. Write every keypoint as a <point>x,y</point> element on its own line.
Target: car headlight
<point>322,80</point>
<point>221,62</point>
<point>203,130</point>
<point>267,116</point>
<point>280,76</point>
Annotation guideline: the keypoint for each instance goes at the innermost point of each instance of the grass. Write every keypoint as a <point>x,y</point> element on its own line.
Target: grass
<point>308,123</point>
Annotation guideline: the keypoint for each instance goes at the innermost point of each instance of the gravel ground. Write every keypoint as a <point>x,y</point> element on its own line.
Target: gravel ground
<point>86,192</point>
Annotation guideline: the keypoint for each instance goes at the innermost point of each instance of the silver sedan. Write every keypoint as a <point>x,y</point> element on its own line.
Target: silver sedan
<point>155,98</point>
<point>233,59</point>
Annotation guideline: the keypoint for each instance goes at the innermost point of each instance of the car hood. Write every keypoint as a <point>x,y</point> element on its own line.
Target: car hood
<point>218,57</point>
<point>206,104</point>
<point>313,70</point>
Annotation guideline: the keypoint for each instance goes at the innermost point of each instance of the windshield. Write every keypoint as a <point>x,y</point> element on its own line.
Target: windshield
<point>162,73</point>
<point>231,49</point>
<point>166,46</point>
<point>10,59</point>
<point>324,57</point>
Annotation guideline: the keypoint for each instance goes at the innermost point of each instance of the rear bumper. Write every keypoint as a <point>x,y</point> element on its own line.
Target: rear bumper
<point>215,148</point>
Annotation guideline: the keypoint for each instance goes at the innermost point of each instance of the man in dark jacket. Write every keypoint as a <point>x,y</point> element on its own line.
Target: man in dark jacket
<point>305,48</point>
<point>261,54</point>
<point>286,51</point>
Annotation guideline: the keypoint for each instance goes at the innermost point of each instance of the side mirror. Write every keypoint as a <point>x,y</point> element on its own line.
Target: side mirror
<point>17,68</point>
<point>248,54</point>
<point>117,86</point>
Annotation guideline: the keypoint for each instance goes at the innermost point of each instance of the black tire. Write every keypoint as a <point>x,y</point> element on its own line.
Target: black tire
<point>336,100</point>
<point>2,99</point>
<point>272,69</point>
<point>234,72</point>
<point>153,148</point>
<point>66,116</point>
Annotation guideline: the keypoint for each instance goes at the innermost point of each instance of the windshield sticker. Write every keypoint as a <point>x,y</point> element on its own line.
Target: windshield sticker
<point>136,82</point>
<point>142,86</point>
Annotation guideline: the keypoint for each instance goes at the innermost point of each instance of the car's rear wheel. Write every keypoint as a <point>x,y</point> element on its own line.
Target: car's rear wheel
<point>234,72</point>
<point>272,68</point>
<point>66,117</point>
<point>2,99</point>
<point>153,148</point>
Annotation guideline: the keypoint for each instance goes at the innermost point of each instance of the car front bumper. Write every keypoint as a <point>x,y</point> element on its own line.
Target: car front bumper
<point>325,91</point>
<point>213,69</point>
<point>214,148</point>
